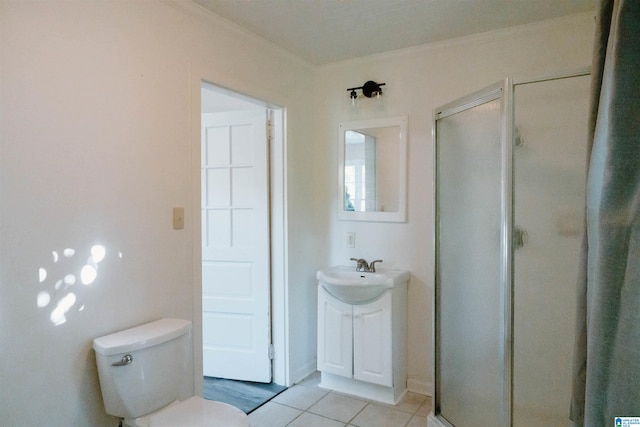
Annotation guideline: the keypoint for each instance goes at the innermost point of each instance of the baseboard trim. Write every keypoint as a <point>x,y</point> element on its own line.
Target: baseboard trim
<point>419,386</point>
<point>303,372</point>
<point>414,385</point>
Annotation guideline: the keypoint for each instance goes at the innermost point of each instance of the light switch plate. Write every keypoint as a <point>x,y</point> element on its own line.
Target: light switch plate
<point>178,218</point>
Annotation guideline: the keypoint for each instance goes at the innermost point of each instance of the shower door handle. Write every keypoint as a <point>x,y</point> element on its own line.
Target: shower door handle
<point>520,237</point>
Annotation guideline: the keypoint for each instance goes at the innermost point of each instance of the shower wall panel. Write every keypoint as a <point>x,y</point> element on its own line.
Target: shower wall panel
<point>550,157</point>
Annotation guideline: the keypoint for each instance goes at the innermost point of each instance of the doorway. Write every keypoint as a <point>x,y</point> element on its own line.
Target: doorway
<point>238,240</point>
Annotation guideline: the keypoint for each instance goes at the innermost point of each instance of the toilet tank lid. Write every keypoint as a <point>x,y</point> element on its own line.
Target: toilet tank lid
<point>143,336</point>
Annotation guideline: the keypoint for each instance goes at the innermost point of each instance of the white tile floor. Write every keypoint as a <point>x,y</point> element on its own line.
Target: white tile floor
<point>307,405</point>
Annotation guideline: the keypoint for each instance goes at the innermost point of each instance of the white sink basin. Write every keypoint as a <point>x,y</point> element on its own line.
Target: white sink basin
<point>358,287</point>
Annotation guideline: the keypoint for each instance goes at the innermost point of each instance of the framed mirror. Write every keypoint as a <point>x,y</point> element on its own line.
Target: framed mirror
<point>372,170</point>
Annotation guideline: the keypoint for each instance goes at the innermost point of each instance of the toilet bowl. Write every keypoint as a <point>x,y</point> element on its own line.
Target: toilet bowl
<point>145,374</point>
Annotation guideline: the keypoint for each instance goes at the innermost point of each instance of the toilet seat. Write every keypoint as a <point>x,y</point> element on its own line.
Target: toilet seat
<point>198,412</point>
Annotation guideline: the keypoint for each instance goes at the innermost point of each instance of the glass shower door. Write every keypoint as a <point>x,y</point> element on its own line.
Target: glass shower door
<point>510,169</point>
<point>469,307</point>
<point>550,157</point>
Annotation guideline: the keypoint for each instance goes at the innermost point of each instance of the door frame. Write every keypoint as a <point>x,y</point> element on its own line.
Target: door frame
<point>278,223</point>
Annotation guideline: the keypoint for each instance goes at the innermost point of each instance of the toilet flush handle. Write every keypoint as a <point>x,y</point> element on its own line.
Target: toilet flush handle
<point>126,360</point>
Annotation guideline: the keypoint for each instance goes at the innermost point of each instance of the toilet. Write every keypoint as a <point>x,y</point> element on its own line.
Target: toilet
<point>145,376</point>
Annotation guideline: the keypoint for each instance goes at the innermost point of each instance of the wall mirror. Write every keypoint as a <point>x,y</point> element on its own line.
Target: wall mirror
<point>372,172</point>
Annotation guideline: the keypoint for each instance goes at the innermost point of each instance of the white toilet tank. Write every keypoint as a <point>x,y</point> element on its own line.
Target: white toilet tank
<point>145,368</point>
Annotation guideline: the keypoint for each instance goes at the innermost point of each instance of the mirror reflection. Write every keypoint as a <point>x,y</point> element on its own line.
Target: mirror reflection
<point>371,185</point>
<point>372,171</point>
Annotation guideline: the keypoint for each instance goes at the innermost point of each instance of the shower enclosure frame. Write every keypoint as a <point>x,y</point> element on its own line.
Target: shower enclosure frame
<point>503,91</point>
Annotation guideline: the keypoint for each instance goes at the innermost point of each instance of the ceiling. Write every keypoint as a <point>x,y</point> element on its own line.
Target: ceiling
<point>325,31</point>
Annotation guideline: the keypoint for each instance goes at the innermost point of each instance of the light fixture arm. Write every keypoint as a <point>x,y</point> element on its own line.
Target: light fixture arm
<point>369,89</point>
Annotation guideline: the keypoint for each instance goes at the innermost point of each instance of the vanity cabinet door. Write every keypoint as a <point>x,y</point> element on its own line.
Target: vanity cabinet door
<point>372,344</point>
<point>335,335</point>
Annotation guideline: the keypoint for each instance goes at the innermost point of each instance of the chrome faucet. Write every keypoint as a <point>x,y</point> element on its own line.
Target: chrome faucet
<point>364,266</point>
<point>372,266</point>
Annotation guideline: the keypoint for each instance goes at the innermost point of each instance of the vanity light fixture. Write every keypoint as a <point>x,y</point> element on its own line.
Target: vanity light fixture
<point>369,89</point>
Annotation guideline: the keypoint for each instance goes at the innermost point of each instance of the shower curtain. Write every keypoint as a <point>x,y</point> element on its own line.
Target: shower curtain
<point>606,380</point>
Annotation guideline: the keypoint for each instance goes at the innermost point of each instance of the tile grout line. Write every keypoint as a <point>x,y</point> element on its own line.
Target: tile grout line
<point>267,401</point>
<point>356,415</point>
<point>303,410</point>
<point>309,385</point>
<point>367,403</point>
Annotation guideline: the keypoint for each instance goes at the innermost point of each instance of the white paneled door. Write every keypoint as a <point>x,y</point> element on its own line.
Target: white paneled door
<point>235,246</point>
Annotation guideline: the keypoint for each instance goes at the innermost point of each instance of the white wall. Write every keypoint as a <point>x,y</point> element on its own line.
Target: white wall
<point>417,81</point>
<point>96,148</point>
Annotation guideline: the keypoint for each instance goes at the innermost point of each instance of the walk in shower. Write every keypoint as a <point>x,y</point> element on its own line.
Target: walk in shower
<point>510,172</point>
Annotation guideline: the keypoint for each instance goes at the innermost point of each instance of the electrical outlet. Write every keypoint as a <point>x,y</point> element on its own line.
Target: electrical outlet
<point>351,239</point>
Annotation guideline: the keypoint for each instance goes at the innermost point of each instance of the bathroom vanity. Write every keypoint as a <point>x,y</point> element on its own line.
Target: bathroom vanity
<point>362,332</point>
